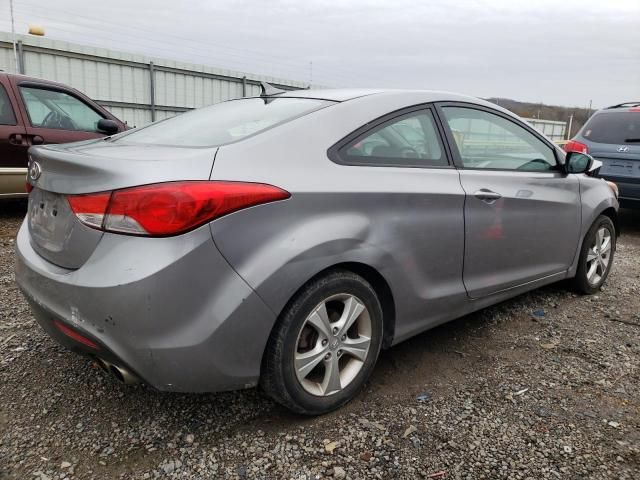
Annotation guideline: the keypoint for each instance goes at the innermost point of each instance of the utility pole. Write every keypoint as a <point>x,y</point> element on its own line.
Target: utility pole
<point>13,36</point>
<point>570,124</point>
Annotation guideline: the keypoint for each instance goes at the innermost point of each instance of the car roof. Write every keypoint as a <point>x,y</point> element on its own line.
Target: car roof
<point>26,78</point>
<point>622,107</point>
<point>404,98</point>
<point>334,94</point>
<point>424,96</point>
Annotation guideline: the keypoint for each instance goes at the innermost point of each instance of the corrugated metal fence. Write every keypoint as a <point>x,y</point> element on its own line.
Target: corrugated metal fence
<point>134,88</point>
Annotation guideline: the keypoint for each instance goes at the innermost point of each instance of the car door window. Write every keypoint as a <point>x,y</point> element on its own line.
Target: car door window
<point>489,141</point>
<point>7,115</point>
<point>59,110</point>
<point>408,140</point>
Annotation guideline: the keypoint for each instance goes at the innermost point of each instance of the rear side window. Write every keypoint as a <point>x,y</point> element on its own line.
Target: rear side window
<point>410,140</point>
<point>59,110</point>
<point>7,116</point>
<point>223,123</point>
<point>613,127</point>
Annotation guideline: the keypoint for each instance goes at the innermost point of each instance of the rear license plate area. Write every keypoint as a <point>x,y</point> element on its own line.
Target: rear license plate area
<point>620,168</point>
<point>47,217</point>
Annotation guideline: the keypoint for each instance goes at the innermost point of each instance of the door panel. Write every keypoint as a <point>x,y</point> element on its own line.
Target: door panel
<point>530,232</point>
<point>57,116</point>
<point>13,142</point>
<point>522,213</point>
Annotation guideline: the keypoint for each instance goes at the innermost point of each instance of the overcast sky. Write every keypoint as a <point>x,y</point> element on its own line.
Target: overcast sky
<point>558,52</point>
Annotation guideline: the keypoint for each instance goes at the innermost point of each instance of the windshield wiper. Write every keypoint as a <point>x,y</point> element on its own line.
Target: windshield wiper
<point>632,140</point>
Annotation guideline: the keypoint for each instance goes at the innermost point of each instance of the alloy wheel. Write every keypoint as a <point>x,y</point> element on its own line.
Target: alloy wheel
<point>599,256</point>
<point>332,344</point>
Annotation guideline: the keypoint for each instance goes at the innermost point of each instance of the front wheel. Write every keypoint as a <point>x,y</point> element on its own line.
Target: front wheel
<point>325,344</point>
<point>596,256</point>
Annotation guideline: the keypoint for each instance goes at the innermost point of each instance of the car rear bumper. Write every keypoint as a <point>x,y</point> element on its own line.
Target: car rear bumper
<point>170,310</point>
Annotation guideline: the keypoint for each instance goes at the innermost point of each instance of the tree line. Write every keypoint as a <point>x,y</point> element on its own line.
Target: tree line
<point>546,112</point>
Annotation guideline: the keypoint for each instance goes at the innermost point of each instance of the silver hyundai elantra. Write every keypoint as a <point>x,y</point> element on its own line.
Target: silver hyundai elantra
<point>283,240</point>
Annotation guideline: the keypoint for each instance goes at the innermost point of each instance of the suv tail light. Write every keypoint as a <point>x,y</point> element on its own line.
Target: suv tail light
<point>573,146</point>
<point>165,209</point>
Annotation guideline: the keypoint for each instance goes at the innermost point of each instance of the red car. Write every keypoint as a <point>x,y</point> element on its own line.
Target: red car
<point>34,112</point>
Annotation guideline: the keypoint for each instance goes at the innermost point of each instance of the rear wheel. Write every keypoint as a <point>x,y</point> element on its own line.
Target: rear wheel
<point>325,344</point>
<point>596,256</point>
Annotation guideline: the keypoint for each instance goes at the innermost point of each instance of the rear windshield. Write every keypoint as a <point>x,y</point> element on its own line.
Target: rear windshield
<point>613,127</point>
<point>223,123</point>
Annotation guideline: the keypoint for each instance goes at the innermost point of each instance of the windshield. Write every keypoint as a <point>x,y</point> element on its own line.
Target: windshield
<point>223,123</point>
<point>613,127</point>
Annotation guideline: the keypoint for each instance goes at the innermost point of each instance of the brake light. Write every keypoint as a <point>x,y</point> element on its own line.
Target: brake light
<point>90,209</point>
<point>29,187</point>
<point>573,146</point>
<point>172,208</point>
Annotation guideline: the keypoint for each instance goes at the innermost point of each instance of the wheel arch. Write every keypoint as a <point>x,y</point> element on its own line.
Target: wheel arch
<point>379,284</point>
<point>383,291</point>
<point>613,215</point>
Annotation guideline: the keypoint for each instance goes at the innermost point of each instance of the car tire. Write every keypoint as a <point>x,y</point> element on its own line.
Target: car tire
<point>306,345</point>
<point>592,271</point>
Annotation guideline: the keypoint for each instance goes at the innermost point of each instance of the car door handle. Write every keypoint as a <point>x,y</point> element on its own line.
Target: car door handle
<point>16,139</point>
<point>487,195</point>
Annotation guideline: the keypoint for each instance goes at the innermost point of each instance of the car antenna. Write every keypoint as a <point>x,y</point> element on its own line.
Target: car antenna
<point>269,90</point>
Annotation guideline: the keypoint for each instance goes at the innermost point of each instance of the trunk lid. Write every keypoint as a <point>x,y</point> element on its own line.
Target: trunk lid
<point>96,166</point>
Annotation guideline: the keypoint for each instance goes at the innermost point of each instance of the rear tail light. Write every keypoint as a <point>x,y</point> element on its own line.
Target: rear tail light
<point>29,187</point>
<point>90,209</point>
<point>573,146</point>
<point>172,208</point>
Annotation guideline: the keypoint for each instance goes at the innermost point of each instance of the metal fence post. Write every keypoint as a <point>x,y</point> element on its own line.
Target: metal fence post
<point>152,88</point>
<point>20,58</point>
<point>244,86</point>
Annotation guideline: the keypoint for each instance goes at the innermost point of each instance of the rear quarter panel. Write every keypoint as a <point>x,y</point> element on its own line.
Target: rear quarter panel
<point>407,223</point>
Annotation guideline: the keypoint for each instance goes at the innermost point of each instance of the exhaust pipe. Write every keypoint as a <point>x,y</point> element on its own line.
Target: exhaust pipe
<point>121,374</point>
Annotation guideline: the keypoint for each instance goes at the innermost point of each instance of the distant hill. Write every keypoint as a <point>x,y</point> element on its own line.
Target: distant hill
<point>546,112</point>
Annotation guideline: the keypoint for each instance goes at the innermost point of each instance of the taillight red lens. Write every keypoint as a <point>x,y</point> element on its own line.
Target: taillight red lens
<point>169,208</point>
<point>29,187</point>
<point>90,208</point>
<point>573,146</point>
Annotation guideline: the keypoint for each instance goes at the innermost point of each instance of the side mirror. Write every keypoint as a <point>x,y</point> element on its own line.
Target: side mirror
<point>576,162</point>
<point>108,126</point>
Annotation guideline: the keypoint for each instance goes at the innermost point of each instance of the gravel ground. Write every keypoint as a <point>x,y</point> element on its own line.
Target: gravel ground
<point>543,386</point>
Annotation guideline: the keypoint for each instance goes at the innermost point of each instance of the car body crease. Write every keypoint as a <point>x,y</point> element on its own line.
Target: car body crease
<point>224,256</point>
